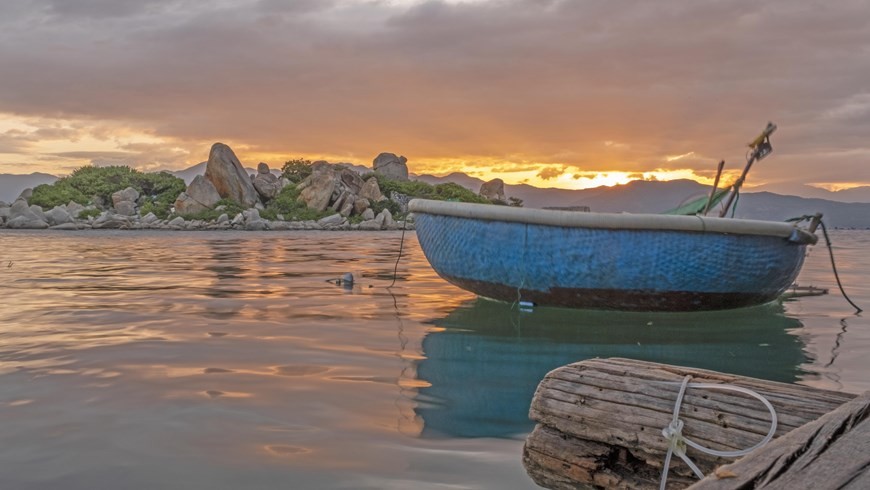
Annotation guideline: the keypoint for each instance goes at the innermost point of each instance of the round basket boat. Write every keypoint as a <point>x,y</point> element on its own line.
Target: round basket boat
<point>644,262</point>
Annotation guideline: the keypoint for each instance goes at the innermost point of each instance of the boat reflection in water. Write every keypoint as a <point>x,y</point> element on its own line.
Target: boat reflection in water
<point>485,359</point>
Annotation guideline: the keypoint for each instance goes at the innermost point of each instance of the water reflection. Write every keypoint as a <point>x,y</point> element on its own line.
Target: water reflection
<point>486,358</point>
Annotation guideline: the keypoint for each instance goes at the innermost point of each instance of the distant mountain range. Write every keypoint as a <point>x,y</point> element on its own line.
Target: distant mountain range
<point>11,185</point>
<point>843,209</point>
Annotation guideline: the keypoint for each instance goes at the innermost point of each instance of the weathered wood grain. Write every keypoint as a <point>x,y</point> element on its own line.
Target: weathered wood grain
<point>600,421</point>
<point>831,452</point>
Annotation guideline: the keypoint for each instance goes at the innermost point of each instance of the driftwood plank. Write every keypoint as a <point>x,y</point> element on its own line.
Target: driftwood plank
<point>600,421</point>
<point>831,452</point>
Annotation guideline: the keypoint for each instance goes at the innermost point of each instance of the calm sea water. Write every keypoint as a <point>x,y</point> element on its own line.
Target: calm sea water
<point>226,360</point>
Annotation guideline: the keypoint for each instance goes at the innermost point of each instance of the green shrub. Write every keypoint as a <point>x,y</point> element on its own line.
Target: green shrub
<point>296,170</point>
<point>50,195</point>
<point>415,188</point>
<point>87,213</point>
<point>395,209</point>
<point>159,189</point>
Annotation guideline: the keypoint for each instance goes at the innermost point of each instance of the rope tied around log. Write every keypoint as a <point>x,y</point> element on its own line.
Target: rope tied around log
<point>677,443</point>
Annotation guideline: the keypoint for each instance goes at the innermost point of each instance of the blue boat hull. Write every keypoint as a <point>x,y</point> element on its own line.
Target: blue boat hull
<point>634,269</point>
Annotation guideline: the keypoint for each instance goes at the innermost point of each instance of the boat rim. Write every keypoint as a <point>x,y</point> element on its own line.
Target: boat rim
<point>612,221</point>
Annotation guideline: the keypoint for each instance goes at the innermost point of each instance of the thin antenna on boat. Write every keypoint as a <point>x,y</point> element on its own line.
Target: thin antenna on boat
<point>715,186</point>
<point>760,148</point>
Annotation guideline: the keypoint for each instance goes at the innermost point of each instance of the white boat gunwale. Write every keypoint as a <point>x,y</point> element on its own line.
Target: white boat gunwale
<point>614,221</point>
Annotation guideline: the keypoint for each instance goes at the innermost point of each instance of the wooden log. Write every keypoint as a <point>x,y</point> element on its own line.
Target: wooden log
<point>600,421</point>
<point>831,452</point>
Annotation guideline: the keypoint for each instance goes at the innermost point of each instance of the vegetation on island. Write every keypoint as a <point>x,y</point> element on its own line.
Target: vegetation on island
<point>296,170</point>
<point>95,185</point>
<point>158,192</point>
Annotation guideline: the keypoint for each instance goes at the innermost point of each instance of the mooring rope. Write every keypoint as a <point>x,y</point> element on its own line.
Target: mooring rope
<point>677,442</point>
<point>830,246</point>
<point>834,267</point>
<point>401,247</point>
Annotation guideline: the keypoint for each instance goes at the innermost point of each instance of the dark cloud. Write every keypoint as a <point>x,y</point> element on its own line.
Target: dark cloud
<point>517,80</point>
<point>548,173</point>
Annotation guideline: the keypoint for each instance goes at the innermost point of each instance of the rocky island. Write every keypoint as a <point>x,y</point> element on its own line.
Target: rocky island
<point>304,195</point>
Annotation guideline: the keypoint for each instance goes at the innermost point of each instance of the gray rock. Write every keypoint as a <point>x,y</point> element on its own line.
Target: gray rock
<point>371,190</point>
<point>125,208</point>
<point>186,205</point>
<point>150,218</point>
<point>280,226</point>
<point>129,194</point>
<point>331,220</point>
<point>385,219</point>
<point>369,225</point>
<point>368,214</point>
<point>22,222</point>
<point>111,221</point>
<point>251,215</point>
<point>58,216</point>
<point>65,226</point>
<point>199,196</point>
<point>5,211</point>
<point>238,219</point>
<point>223,219</point>
<point>389,222</point>
<point>74,208</point>
<point>229,177</point>
<point>20,209</point>
<point>37,210</point>
<point>391,166</point>
<point>263,168</point>
<point>318,189</point>
<point>360,205</point>
<point>347,209</point>
<point>26,194</point>
<point>494,189</point>
<point>258,225</point>
<point>267,186</point>
<point>339,201</point>
<point>351,181</point>
<point>178,221</point>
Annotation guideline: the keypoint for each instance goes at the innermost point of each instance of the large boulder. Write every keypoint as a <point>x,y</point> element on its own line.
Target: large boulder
<point>58,216</point>
<point>351,181</point>
<point>125,208</point>
<point>74,208</point>
<point>317,189</point>
<point>111,221</point>
<point>391,166</point>
<point>26,194</point>
<point>129,194</point>
<point>23,216</point>
<point>371,190</point>
<point>266,183</point>
<point>494,189</point>
<point>200,195</point>
<point>229,177</point>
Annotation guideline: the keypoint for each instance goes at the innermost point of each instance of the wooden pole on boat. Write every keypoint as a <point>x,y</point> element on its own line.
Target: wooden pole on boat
<point>600,421</point>
<point>760,149</point>
<point>715,186</point>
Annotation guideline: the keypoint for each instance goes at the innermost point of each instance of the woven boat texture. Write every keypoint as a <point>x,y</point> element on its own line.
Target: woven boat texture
<point>492,257</point>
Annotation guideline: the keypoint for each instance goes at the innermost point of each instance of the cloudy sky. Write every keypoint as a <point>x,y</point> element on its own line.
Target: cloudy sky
<point>563,93</point>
